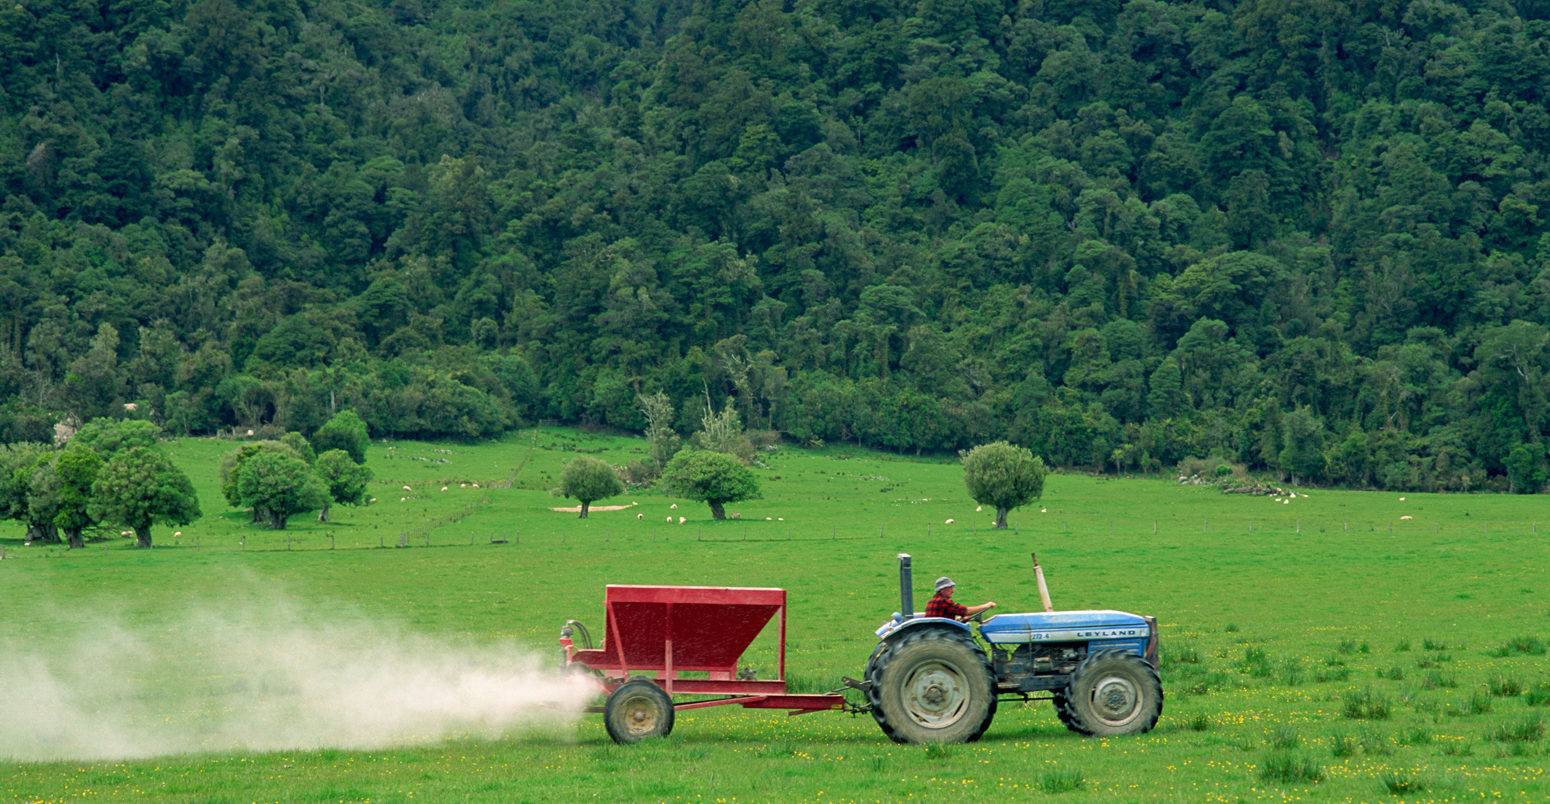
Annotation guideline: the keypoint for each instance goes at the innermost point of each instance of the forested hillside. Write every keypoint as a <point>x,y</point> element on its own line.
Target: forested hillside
<point>1302,235</point>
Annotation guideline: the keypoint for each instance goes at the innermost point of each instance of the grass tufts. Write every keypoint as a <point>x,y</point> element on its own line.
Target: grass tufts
<point>1400,783</point>
<point>1198,722</point>
<point>1505,686</point>
<point>1061,781</point>
<point>1539,695</point>
<point>1289,767</point>
<point>1285,737</point>
<point>1527,729</point>
<point>1365,704</point>
<point>1479,703</point>
<point>1523,646</point>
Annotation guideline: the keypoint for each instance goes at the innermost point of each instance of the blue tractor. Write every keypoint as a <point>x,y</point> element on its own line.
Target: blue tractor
<point>931,680</point>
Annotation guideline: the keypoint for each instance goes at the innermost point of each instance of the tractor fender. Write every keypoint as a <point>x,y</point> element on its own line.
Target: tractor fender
<point>893,629</point>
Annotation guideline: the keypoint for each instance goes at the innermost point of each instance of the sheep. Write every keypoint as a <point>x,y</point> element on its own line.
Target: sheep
<point>476,485</point>
<point>736,515</point>
<point>443,488</point>
<point>670,519</point>
<point>1407,516</point>
<point>639,517</point>
<point>674,506</point>
<point>177,533</point>
<point>978,508</point>
<point>948,522</point>
<point>680,520</point>
<point>406,488</point>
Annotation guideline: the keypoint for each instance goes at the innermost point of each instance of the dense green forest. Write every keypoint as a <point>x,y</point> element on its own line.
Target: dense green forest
<point>1300,235</point>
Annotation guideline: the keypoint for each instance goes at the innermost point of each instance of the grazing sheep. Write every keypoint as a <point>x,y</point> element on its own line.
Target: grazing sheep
<point>736,515</point>
<point>680,520</point>
<point>639,517</point>
<point>766,519</point>
<point>476,485</point>
<point>670,519</point>
<point>443,488</point>
<point>978,508</point>
<point>674,506</point>
<point>1401,499</point>
<point>177,533</point>
<point>406,488</point>
<point>1407,516</point>
<point>948,522</point>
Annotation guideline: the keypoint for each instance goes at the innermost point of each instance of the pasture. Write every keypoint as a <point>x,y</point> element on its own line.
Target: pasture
<point>1320,648</point>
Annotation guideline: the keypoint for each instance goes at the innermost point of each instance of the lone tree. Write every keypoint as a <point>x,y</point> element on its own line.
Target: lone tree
<point>231,465</point>
<point>344,431</point>
<point>62,490</point>
<point>345,479</point>
<point>714,477</point>
<point>1004,476</point>
<point>141,486</point>
<point>588,479</point>
<point>279,485</point>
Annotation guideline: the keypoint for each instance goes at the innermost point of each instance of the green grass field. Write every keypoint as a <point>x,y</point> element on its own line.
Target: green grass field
<point>1318,649</point>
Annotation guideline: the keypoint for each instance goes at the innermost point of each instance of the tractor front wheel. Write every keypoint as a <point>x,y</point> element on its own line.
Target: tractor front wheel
<point>1111,693</point>
<point>932,686</point>
<point>638,710</point>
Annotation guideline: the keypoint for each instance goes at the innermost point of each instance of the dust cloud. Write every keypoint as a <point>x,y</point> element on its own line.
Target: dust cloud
<point>264,674</point>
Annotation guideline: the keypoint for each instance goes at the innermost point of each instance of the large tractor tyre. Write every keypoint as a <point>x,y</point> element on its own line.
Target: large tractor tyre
<point>1062,711</point>
<point>932,686</point>
<point>638,710</point>
<point>1111,693</point>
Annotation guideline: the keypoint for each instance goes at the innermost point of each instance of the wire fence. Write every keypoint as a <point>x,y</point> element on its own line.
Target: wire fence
<point>445,534</point>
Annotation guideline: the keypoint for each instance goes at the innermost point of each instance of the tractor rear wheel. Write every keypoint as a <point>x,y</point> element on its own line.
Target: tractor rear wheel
<point>638,710</point>
<point>1111,693</point>
<point>932,685</point>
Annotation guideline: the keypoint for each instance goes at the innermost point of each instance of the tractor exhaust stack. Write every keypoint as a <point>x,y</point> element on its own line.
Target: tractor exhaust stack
<point>906,588</point>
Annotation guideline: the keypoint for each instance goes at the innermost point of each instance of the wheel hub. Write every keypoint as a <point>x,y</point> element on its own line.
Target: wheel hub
<point>1116,700</point>
<point>640,717</point>
<point>935,695</point>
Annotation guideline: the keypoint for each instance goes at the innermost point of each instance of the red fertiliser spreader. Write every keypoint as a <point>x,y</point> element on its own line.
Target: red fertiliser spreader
<point>662,641</point>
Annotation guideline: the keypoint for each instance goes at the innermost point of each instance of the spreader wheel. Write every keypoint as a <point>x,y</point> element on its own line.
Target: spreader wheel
<point>638,710</point>
<point>932,686</point>
<point>1111,693</point>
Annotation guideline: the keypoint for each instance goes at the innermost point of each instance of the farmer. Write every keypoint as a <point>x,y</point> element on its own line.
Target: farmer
<point>942,605</point>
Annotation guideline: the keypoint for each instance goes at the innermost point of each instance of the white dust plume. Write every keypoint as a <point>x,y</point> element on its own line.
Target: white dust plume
<point>267,676</point>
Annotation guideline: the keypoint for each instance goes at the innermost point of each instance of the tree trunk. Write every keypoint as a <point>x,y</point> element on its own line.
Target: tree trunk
<point>276,522</point>
<point>77,541</point>
<point>143,535</point>
<point>716,511</point>
<point>584,506</point>
<point>323,514</point>
<point>42,533</point>
<point>1001,517</point>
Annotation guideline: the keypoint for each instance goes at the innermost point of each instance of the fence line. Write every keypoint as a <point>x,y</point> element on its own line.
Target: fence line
<point>735,531</point>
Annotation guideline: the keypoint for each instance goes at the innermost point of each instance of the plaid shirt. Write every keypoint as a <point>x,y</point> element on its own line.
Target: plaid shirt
<point>945,607</point>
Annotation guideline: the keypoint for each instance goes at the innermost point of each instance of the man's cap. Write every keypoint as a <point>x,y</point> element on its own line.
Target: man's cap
<point>944,582</point>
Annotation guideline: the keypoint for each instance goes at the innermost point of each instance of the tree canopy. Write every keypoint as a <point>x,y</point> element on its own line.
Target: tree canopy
<point>712,477</point>
<point>140,487</point>
<point>1004,476</point>
<point>1307,237</point>
<point>587,480</point>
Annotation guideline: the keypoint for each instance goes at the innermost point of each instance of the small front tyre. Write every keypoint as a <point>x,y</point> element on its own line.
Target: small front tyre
<point>638,710</point>
<point>1111,693</point>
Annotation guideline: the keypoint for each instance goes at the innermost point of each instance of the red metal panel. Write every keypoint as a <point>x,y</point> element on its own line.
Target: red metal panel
<point>709,628</point>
